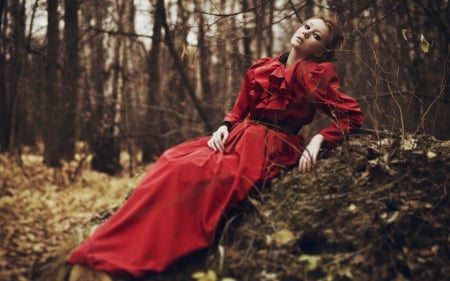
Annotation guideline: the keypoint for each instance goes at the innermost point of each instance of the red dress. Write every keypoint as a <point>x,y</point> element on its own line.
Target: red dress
<point>178,204</point>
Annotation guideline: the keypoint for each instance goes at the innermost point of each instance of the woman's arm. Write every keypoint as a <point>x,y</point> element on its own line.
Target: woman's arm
<point>322,81</point>
<point>344,112</point>
<point>242,106</point>
<point>240,110</point>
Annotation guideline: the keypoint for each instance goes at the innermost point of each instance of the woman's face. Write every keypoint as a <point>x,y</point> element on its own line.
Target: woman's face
<point>310,38</point>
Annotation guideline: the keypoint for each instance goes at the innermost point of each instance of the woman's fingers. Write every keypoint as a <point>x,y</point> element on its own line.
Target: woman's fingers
<point>217,141</point>
<point>309,155</point>
<point>307,161</point>
<point>225,136</point>
<point>218,138</point>
<point>222,137</point>
<point>211,144</point>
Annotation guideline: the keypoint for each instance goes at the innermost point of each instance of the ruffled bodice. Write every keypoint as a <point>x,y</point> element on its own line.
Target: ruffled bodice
<point>269,85</point>
<point>292,94</point>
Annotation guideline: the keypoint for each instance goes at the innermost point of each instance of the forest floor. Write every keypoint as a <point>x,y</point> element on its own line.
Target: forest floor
<point>371,210</point>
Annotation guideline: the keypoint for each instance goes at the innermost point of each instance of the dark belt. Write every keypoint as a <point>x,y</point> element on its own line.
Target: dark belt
<point>284,127</point>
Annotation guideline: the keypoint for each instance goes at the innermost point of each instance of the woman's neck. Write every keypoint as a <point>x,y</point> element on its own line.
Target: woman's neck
<point>293,58</point>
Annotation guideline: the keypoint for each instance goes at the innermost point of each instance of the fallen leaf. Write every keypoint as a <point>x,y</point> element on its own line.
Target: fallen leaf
<point>269,276</point>
<point>424,45</point>
<point>283,237</point>
<point>431,155</point>
<point>405,33</point>
<point>393,218</point>
<point>312,262</point>
<point>409,143</point>
<point>268,239</point>
<point>400,277</point>
<point>435,249</point>
<point>39,247</point>
<point>210,275</point>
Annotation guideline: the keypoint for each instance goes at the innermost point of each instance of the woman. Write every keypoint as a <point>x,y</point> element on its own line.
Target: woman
<point>178,204</point>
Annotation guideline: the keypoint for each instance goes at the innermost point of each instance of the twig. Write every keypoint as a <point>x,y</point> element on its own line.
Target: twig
<point>364,131</point>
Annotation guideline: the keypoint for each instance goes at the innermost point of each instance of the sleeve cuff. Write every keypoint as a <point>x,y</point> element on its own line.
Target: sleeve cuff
<point>227,124</point>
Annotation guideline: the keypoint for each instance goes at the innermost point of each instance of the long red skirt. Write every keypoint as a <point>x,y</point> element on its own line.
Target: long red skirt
<point>176,207</point>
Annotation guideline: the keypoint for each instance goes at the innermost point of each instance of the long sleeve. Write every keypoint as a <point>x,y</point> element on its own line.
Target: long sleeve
<point>246,98</point>
<point>322,81</point>
<point>242,104</point>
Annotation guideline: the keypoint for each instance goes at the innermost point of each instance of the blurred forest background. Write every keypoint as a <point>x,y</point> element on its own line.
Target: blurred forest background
<point>105,76</point>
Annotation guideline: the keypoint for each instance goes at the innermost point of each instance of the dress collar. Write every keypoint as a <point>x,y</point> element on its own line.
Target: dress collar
<point>283,58</point>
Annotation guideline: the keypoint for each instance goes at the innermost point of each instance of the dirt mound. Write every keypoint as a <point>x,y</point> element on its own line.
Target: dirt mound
<point>372,210</point>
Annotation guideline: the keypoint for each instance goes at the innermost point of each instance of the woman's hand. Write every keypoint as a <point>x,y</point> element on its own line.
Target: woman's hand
<point>218,138</point>
<point>309,156</point>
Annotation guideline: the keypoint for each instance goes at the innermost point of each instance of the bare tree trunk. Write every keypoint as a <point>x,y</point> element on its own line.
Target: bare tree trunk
<point>221,69</point>
<point>94,101</point>
<point>269,31</point>
<point>16,93</point>
<point>5,109</point>
<point>52,152</point>
<point>2,11</point>
<point>247,41</point>
<point>127,122</point>
<point>5,113</point>
<point>70,80</point>
<point>209,99</point>
<point>107,149</point>
<point>33,16</point>
<point>259,15</point>
<point>151,146</point>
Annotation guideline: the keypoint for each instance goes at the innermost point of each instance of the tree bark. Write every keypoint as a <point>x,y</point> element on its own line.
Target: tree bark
<point>269,31</point>
<point>70,80</point>
<point>52,151</point>
<point>16,97</point>
<point>2,12</point>
<point>209,99</point>
<point>247,40</point>
<point>107,148</point>
<point>5,106</point>
<point>150,145</point>
<point>5,112</point>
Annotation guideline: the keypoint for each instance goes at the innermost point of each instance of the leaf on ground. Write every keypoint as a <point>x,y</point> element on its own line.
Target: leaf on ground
<point>209,275</point>
<point>424,45</point>
<point>431,154</point>
<point>283,237</point>
<point>312,262</point>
